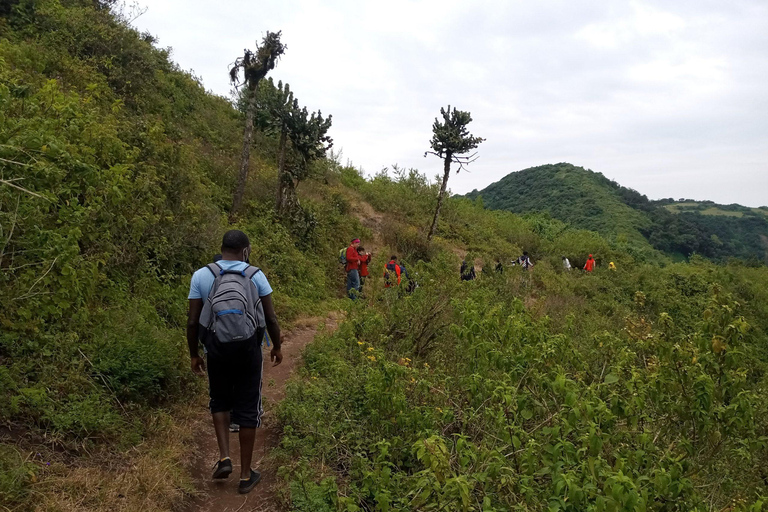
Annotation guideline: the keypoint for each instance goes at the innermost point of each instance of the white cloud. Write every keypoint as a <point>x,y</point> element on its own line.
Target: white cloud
<point>633,89</point>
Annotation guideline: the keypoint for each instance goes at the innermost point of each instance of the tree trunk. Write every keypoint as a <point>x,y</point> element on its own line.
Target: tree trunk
<point>281,177</point>
<point>289,200</point>
<point>250,113</point>
<point>446,174</point>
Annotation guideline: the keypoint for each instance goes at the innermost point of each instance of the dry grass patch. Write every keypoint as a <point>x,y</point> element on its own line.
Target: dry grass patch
<point>151,476</point>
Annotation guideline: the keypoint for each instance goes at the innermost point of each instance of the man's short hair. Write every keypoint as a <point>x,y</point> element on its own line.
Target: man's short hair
<point>234,240</point>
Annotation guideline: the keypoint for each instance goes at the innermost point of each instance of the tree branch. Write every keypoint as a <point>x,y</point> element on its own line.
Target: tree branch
<point>10,184</point>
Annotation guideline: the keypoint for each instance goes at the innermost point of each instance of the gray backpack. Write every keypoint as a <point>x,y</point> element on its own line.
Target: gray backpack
<point>233,311</point>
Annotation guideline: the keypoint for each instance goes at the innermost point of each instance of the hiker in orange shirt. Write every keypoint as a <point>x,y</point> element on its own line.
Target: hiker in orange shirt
<point>590,265</point>
<point>391,270</point>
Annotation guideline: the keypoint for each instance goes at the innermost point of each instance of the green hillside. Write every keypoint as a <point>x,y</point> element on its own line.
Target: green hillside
<point>591,201</point>
<point>572,194</point>
<point>636,389</point>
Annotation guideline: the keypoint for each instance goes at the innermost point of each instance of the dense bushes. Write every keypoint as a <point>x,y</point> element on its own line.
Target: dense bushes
<point>516,393</point>
<point>125,165</point>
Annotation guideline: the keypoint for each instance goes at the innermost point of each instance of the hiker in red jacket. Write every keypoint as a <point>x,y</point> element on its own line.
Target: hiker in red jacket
<point>353,269</point>
<point>590,265</point>
<point>365,260</point>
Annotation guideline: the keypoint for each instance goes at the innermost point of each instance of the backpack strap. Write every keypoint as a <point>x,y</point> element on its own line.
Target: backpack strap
<point>215,269</point>
<point>250,271</point>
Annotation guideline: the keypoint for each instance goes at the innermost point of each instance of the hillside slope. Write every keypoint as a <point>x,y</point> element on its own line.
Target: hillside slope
<point>641,388</point>
<point>591,201</point>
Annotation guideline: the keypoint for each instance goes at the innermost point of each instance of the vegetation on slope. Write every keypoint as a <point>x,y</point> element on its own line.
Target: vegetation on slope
<point>636,389</point>
<point>118,173</point>
<point>591,201</point>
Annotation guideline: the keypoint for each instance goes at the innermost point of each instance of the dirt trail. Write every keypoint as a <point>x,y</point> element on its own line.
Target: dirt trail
<point>222,496</point>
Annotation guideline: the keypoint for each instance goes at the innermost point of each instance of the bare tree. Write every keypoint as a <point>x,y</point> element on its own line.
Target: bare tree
<point>255,66</point>
<point>450,141</point>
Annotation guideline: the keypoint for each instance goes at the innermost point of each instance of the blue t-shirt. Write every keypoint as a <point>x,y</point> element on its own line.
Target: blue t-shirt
<point>202,280</point>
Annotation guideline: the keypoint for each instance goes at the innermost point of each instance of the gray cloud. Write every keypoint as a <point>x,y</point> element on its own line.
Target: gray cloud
<point>667,97</point>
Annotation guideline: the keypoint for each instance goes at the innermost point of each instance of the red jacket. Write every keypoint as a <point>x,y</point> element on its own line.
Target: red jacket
<point>353,259</point>
<point>364,261</point>
<point>590,266</point>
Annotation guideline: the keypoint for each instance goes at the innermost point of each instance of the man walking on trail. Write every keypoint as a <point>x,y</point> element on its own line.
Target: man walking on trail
<point>392,273</point>
<point>590,265</point>
<point>566,264</point>
<point>230,306</point>
<point>353,269</point>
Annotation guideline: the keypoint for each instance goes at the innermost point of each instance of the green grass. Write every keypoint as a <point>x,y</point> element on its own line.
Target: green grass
<point>718,211</point>
<point>676,207</point>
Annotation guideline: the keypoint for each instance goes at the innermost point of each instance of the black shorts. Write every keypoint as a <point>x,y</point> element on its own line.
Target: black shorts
<point>234,381</point>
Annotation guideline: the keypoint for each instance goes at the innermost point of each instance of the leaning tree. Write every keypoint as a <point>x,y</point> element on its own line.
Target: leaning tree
<point>451,141</point>
<point>255,66</point>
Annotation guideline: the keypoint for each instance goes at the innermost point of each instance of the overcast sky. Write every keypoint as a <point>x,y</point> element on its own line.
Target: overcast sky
<point>667,97</point>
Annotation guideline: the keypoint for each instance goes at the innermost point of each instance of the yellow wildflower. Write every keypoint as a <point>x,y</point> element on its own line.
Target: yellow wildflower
<point>361,343</point>
<point>372,358</point>
<point>370,348</point>
<point>426,365</point>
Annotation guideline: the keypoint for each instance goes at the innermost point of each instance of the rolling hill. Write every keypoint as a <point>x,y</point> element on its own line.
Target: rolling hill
<point>589,200</point>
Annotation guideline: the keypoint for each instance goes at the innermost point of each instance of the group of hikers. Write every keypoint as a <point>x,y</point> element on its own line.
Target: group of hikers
<point>356,260</point>
<point>467,271</point>
<point>231,311</point>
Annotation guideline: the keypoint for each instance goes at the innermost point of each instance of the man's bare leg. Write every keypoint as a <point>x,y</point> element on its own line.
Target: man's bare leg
<point>221,425</point>
<point>247,440</point>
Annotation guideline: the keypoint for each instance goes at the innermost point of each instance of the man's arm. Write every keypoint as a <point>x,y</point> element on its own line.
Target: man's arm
<point>273,328</point>
<point>193,324</point>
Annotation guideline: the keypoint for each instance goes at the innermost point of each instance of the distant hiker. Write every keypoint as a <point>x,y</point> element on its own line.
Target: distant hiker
<point>352,260</point>
<point>611,266</point>
<point>403,271</point>
<point>410,279</point>
<point>392,273</point>
<point>566,264</point>
<point>499,267</point>
<point>525,261</point>
<point>589,266</point>
<point>467,271</point>
<point>365,260</point>
<point>230,307</point>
